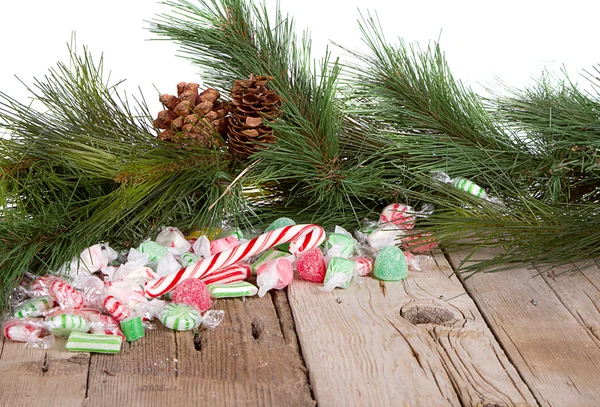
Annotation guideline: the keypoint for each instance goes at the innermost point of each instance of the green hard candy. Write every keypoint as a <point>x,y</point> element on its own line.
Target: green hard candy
<point>277,224</point>
<point>390,264</point>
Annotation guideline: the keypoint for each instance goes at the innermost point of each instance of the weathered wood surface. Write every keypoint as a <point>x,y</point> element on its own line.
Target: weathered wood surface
<point>421,342</point>
<point>547,326</point>
<point>34,377</point>
<point>252,359</point>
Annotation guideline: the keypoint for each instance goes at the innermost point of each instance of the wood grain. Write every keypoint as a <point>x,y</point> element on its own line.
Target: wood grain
<point>251,359</point>
<point>554,354</point>
<point>420,342</point>
<point>35,377</point>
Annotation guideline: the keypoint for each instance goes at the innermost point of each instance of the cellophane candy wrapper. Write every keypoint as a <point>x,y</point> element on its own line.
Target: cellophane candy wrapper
<point>67,297</point>
<point>173,240</point>
<point>105,324</point>
<point>32,331</point>
<point>212,319</point>
<point>340,272</point>
<point>168,265</point>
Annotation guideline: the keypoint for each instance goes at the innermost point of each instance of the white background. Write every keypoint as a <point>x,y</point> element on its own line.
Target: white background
<point>483,40</point>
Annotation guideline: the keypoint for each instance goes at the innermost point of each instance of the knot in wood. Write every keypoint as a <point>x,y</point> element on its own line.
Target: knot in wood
<point>418,314</point>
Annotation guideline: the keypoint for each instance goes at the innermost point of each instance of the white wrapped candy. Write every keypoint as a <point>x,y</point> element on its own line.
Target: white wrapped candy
<point>174,241</point>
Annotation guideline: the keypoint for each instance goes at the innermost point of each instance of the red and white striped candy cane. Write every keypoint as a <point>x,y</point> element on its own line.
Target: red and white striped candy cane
<point>231,274</point>
<point>300,237</point>
<point>117,310</point>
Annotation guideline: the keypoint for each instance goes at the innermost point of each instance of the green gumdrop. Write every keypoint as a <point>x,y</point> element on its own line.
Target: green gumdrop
<point>390,264</point>
<point>280,223</point>
<point>347,241</point>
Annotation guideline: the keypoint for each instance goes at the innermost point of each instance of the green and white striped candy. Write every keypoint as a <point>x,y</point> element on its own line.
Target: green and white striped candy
<point>62,325</point>
<point>239,289</point>
<point>97,343</point>
<point>180,317</point>
<point>34,307</point>
<point>469,186</point>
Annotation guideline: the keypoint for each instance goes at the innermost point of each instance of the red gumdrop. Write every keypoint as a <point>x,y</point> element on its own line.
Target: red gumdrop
<point>194,293</point>
<point>311,265</point>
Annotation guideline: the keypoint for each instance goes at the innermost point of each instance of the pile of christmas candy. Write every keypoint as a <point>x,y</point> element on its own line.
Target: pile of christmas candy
<point>103,298</point>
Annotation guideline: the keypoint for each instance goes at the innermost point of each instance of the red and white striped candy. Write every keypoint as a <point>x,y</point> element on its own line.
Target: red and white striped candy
<point>398,214</point>
<point>117,310</point>
<point>300,237</point>
<point>231,274</point>
<point>65,295</point>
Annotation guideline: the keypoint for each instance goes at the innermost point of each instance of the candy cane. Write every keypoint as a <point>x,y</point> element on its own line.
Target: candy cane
<point>231,274</point>
<point>301,238</point>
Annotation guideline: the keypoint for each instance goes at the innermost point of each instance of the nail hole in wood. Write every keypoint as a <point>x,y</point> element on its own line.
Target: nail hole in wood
<point>426,314</point>
<point>198,341</point>
<point>257,328</point>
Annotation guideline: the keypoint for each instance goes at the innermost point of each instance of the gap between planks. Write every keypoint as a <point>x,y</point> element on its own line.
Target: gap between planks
<point>547,326</point>
<point>420,342</point>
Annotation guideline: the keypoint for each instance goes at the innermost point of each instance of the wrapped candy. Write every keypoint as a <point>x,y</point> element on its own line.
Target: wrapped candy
<point>93,259</point>
<point>201,247</point>
<point>29,330</point>
<point>115,308</point>
<point>363,265</point>
<point>400,215</point>
<point>62,325</point>
<point>275,274</point>
<point>63,293</point>
<point>154,250</point>
<point>390,264</point>
<point>192,292</point>
<point>465,185</point>
<point>385,236</point>
<point>419,242</point>
<point>266,257</point>
<point>186,260</point>
<point>169,264</point>
<point>104,324</point>
<point>173,240</point>
<point>225,243</point>
<point>34,307</point>
<point>180,317</point>
<point>340,245</point>
<point>339,273</point>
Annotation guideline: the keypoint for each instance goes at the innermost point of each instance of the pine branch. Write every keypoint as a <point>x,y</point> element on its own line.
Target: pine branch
<point>229,40</point>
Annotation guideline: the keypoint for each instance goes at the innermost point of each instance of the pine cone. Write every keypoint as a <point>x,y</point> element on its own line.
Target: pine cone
<point>191,118</point>
<point>253,106</point>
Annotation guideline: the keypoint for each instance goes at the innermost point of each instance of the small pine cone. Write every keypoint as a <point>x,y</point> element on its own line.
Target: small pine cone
<point>253,106</point>
<point>191,118</point>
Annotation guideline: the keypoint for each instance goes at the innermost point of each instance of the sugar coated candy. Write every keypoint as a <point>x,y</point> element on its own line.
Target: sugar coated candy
<point>192,292</point>
<point>390,264</point>
<point>180,317</point>
<point>94,343</point>
<point>400,215</point>
<point>311,265</point>
<point>62,325</point>
<point>34,307</point>
<point>231,290</point>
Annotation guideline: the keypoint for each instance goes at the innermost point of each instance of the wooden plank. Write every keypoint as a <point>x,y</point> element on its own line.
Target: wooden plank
<point>578,288</point>
<point>35,377</point>
<point>554,354</point>
<point>250,359</point>
<point>420,342</point>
